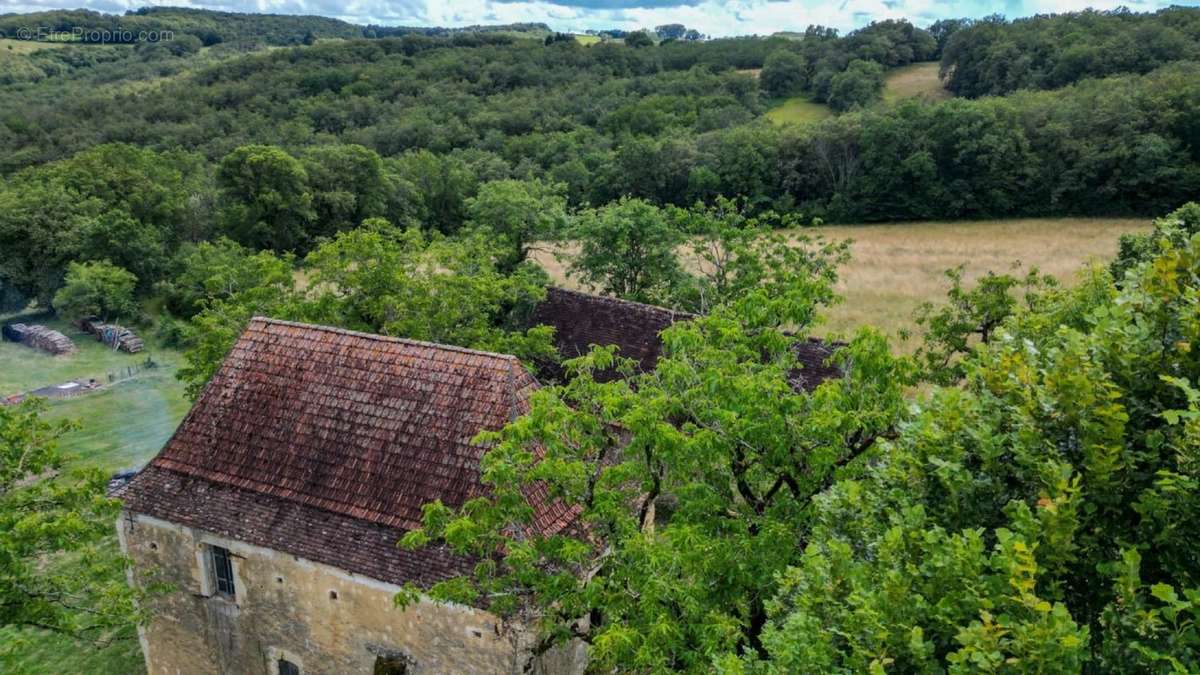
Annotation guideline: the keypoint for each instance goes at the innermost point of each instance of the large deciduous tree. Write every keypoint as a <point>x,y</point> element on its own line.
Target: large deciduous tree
<point>375,278</point>
<point>860,85</point>
<point>692,484</point>
<point>348,185</point>
<point>1042,517</point>
<point>521,213</point>
<point>627,249</point>
<point>112,202</point>
<point>783,73</point>
<point>97,289</point>
<point>268,203</point>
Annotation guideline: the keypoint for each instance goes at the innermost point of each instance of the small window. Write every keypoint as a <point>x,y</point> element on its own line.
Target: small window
<point>222,570</point>
<point>288,668</point>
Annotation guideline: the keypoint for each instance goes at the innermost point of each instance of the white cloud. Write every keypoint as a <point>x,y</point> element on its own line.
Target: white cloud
<point>735,17</point>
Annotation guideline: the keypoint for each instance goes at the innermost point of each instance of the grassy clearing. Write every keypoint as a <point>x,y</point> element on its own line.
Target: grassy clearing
<point>26,46</point>
<point>897,267</point>
<point>123,424</point>
<point>917,80</point>
<point>798,110</point>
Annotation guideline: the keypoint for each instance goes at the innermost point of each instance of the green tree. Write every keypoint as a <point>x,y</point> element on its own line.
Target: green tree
<point>348,185</point>
<point>670,31</point>
<point>638,39</point>
<point>268,204</point>
<point>860,85</point>
<point>112,202</point>
<point>233,295</point>
<point>127,243</point>
<point>971,316</point>
<point>783,73</point>
<point>521,213</point>
<point>693,481</point>
<point>1135,249</point>
<point>97,289</point>
<point>440,186</point>
<point>733,253</point>
<point>216,270</point>
<point>1040,516</point>
<point>375,278</point>
<point>627,249</point>
<point>426,287</point>
<point>60,569</point>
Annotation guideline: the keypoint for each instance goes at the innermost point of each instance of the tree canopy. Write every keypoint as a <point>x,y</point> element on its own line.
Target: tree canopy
<point>1037,516</point>
<point>994,56</point>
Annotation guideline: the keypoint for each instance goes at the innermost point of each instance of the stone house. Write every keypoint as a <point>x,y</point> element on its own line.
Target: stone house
<point>274,511</point>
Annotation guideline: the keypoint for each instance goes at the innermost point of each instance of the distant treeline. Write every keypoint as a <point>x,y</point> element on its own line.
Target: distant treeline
<point>673,123</point>
<point>375,31</point>
<point>205,25</point>
<point>994,56</point>
<point>845,72</point>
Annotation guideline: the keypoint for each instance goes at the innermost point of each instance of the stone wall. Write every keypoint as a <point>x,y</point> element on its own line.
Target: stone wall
<point>324,619</point>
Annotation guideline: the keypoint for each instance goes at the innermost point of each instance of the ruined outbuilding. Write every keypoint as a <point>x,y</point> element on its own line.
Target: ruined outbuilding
<point>274,510</point>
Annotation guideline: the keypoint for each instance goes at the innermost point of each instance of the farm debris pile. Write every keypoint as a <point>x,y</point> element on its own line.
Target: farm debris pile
<point>114,336</point>
<point>39,337</point>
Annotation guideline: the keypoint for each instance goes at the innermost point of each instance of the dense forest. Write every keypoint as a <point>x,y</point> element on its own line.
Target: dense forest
<point>995,57</point>
<point>126,153</point>
<point>1021,494</point>
<point>205,25</point>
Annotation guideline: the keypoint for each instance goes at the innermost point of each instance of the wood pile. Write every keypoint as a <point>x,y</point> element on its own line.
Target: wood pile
<point>113,335</point>
<point>39,337</point>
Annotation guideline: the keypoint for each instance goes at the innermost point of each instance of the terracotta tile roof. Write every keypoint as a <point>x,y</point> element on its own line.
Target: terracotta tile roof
<point>581,320</point>
<point>360,425</point>
<point>813,356</point>
<point>325,443</point>
<point>284,525</point>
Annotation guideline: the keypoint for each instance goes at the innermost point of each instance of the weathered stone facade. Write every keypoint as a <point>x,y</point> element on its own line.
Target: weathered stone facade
<point>323,619</point>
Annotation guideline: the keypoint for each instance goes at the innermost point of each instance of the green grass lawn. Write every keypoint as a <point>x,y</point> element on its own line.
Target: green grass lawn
<point>798,110</point>
<point>123,424</point>
<point>916,80</point>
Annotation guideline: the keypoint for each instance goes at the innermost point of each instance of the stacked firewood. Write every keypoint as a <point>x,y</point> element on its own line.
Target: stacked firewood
<point>39,337</point>
<point>117,337</point>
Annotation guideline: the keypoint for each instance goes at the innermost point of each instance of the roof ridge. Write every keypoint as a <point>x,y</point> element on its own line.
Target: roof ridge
<point>622,301</point>
<point>385,338</point>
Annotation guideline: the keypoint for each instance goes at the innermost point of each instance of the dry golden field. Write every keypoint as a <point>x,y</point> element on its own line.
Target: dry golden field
<point>897,267</point>
<point>916,80</point>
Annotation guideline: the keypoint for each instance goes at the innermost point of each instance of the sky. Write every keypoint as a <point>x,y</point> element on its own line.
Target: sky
<point>711,17</point>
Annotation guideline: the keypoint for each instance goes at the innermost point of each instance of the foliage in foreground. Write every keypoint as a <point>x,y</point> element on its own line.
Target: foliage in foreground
<point>1039,516</point>
<point>59,567</point>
